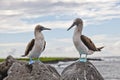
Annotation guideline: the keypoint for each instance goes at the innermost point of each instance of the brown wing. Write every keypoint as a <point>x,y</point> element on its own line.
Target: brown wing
<point>44,45</point>
<point>87,41</point>
<point>29,47</point>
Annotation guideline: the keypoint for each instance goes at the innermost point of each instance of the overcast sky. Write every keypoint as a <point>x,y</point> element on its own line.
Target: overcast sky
<point>18,19</point>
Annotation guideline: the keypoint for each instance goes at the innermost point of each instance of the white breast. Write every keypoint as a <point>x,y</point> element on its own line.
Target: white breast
<point>78,43</point>
<point>38,46</point>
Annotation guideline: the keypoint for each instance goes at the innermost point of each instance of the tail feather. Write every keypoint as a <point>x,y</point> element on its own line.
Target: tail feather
<point>99,49</point>
<point>23,55</point>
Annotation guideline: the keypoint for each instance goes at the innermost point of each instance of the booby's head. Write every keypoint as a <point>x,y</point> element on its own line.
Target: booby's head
<point>40,28</point>
<point>78,22</point>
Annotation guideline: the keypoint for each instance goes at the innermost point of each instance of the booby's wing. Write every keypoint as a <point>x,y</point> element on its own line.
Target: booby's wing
<point>44,45</point>
<point>87,41</point>
<point>29,47</point>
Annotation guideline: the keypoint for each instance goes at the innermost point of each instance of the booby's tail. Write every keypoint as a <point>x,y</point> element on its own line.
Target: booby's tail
<point>23,55</point>
<point>99,49</point>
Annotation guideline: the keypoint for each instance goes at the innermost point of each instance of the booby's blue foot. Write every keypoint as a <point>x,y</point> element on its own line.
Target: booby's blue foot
<point>83,60</point>
<point>31,61</point>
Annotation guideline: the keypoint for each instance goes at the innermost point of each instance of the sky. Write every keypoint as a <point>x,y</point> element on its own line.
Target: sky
<point>18,19</point>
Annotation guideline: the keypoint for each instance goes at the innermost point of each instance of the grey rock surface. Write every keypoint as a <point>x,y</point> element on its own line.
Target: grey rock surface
<point>81,71</point>
<point>36,71</point>
<point>4,66</point>
<point>12,69</point>
<point>19,70</point>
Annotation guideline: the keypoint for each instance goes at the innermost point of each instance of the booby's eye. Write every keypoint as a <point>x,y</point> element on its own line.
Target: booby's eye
<point>41,28</point>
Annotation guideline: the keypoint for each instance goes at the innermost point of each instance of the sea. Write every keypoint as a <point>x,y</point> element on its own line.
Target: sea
<point>109,67</point>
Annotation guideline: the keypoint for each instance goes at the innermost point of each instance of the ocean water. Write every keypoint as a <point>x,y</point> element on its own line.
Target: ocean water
<point>109,68</point>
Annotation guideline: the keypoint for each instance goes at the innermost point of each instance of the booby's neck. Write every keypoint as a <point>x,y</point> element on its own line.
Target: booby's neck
<point>38,34</point>
<point>78,29</point>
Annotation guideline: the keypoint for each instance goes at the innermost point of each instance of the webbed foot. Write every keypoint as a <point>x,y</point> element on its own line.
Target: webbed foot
<point>83,59</point>
<point>31,61</point>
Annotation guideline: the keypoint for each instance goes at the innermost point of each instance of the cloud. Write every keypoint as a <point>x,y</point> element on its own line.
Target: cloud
<point>14,49</point>
<point>111,44</point>
<point>11,44</point>
<point>21,14</point>
<point>64,47</point>
<point>18,16</point>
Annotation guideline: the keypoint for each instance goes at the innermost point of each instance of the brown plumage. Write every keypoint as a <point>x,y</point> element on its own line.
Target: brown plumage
<point>44,46</point>
<point>36,46</point>
<point>29,47</point>
<point>83,44</point>
<point>89,44</point>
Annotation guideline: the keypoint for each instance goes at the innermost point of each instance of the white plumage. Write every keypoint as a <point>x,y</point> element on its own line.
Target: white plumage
<point>36,46</point>
<point>83,44</point>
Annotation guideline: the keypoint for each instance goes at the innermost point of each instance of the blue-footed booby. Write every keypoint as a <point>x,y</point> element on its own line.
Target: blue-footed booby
<point>83,44</point>
<point>36,46</point>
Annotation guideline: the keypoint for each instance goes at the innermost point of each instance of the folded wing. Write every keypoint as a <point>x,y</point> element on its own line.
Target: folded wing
<point>29,47</point>
<point>90,45</point>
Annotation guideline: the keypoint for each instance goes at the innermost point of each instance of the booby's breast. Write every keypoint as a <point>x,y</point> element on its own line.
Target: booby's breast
<point>38,46</point>
<point>78,43</point>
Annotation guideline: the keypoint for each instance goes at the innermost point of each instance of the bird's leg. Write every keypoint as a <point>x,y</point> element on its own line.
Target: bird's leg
<point>83,57</point>
<point>80,55</point>
<point>31,61</point>
<point>79,58</point>
<point>86,57</point>
<point>38,60</point>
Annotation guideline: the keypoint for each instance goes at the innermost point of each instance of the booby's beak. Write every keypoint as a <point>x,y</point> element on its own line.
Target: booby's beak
<point>46,28</point>
<point>71,26</point>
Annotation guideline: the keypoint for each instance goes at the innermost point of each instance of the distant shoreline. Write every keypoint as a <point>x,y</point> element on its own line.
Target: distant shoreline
<point>55,59</point>
<point>71,59</point>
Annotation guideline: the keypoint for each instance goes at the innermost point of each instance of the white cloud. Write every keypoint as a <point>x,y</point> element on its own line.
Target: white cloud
<point>12,12</point>
<point>67,49</point>
<point>98,37</point>
<point>64,47</point>
<point>14,49</point>
<point>11,44</point>
<point>111,43</point>
<point>57,24</point>
<point>22,15</point>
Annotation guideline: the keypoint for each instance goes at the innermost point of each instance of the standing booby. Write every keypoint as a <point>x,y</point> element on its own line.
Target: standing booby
<point>36,46</point>
<point>83,44</point>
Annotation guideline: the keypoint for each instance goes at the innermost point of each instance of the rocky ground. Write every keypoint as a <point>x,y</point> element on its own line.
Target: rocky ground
<point>12,69</point>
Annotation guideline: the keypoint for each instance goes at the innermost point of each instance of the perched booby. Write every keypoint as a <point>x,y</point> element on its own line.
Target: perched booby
<point>83,44</point>
<point>36,46</point>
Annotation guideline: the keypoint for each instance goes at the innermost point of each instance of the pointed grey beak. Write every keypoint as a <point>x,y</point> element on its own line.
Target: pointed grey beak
<point>71,26</point>
<point>46,28</point>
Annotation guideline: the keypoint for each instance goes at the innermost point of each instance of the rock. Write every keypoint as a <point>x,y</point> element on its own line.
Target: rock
<point>36,71</point>
<point>4,66</point>
<point>81,71</point>
<point>12,69</point>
